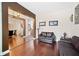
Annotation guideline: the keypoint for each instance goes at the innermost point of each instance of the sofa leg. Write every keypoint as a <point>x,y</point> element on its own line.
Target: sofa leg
<point>53,43</point>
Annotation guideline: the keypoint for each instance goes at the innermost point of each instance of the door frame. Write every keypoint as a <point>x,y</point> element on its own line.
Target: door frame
<point>17,7</point>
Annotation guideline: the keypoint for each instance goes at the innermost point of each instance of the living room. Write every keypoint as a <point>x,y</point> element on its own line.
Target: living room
<point>60,11</point>
<point>56,17</point>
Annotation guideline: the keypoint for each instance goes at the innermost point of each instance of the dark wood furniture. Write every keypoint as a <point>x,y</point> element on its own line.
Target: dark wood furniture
<point>12,32</point>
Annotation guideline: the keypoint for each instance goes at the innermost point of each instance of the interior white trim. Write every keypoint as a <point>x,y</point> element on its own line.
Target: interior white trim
<point>5,52</point>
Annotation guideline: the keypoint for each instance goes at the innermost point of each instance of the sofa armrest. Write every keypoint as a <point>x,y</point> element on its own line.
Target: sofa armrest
<point>53,37</point>
<point>67,49</point>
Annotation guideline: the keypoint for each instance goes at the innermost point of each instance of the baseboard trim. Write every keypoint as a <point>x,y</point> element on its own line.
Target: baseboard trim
<point>4,53</point>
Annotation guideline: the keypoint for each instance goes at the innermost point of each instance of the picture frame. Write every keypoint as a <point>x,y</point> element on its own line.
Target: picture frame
<point>53,23</point>
<point>42,23</point>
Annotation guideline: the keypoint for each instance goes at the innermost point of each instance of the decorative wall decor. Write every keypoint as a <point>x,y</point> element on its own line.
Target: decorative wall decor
<point>71,18</point>
<point>42,23</point>
<point>76,15</point>
<point>53,23</point>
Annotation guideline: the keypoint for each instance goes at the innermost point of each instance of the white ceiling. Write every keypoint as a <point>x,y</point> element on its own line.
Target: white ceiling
<point>43,8</point>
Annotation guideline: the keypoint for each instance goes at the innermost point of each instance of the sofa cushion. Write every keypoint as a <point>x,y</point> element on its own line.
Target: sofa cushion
<point>75,42</point>
<point>67,40</point>
<point>49,34</point>
<point>43,33</point>
<point>67,49</point>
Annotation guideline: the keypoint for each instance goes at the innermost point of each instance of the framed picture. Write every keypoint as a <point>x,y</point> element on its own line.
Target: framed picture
<point>42,23</point>
<point>53,23</point>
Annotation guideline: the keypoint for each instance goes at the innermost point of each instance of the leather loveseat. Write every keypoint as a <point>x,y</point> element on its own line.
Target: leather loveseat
<point>48,37</point>
<point>69,46</point>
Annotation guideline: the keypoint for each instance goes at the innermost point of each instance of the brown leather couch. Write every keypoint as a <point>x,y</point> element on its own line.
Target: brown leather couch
<point>69,46</point>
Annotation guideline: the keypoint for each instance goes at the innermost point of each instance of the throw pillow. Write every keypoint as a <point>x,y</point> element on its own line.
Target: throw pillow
<point>49,34</point>
<point>43,33</point>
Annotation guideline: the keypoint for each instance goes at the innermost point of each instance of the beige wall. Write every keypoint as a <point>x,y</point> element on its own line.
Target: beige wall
<point>64,23</point>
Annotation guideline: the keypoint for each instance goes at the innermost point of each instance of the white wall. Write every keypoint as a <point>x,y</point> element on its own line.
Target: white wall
<point>64,23</point>
<point>0,28</point>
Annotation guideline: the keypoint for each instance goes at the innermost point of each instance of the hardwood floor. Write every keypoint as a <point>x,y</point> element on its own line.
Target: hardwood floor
<point>34,48</point>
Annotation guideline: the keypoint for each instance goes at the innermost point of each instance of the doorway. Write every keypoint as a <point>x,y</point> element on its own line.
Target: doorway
<point>5,24</point>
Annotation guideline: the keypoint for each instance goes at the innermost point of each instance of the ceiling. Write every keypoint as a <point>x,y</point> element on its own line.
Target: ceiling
<point>43,8</point>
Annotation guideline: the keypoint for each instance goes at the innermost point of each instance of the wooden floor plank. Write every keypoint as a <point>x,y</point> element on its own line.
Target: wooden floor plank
<point>34,48</point>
